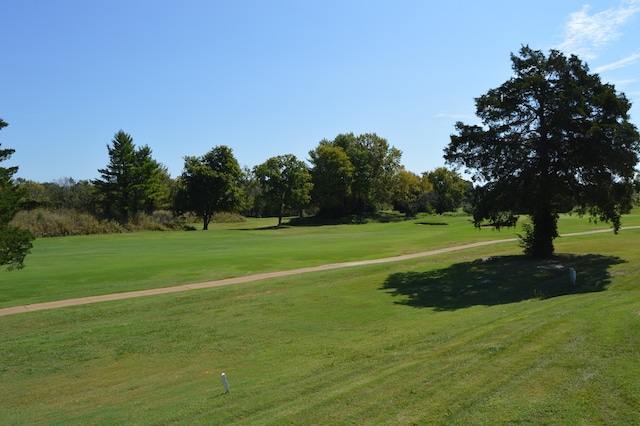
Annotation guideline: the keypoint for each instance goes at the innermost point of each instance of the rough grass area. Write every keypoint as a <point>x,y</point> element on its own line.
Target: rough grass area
<point>62,223</point>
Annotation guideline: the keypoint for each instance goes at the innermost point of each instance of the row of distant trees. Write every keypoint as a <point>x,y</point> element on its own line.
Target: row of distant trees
<point>350,175</point>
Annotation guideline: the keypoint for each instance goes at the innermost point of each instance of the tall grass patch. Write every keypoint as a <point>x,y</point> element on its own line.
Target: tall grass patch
<point>62,222</point>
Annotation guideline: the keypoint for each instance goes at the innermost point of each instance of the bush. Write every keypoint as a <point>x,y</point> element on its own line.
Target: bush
<point>224,217</point>
<point>160,220</point>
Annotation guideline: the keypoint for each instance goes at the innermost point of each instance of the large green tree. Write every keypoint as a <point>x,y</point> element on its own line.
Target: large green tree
<point>332,175</point>
<point>369,184</point>
<point>449,189</point>
<point>553,137</point>
<point>132,182</point>
<point>15,243</point>
<point>375,165</point>
<point>410,192</point>
<point>210,184</point>
<point>285,182</point>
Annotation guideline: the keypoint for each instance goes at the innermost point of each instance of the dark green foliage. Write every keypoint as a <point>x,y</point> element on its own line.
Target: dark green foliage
<point>332,175</point>
<point>65,194</point>
<point>553,137</point>
<point>286,184</point>
<point>132,182</point>
<point>450,190</point>
<point>210,184</point>
<point>410,192</point>
<point>15,243</point>
<point>252,204</point>
<point>68,193</point>
<point>353,174</point>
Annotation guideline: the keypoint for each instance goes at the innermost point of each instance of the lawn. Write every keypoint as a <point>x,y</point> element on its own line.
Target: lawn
<point>71,267</point>
<point>480,336</point>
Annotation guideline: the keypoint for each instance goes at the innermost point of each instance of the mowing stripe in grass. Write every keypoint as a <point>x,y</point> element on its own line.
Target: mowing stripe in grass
<point>338,347</point>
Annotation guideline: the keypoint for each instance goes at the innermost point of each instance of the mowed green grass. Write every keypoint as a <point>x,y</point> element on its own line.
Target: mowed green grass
<point>70,267</point>
<point>448,339</point>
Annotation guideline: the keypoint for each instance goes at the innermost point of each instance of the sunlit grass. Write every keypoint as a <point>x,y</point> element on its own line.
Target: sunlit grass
<point>449,339</point>
<point>70,267</point>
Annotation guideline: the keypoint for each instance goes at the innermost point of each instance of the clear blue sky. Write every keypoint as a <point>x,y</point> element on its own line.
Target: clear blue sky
<point>272,77</point>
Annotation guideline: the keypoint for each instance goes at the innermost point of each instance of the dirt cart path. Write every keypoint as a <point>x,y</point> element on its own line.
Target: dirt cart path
<point>257,277</point>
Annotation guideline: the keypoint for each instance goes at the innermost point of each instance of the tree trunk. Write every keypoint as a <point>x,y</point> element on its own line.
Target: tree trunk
<point>206,218</point>
<point>545,222</point>
<point>545,230</point>
<point>280,214</point>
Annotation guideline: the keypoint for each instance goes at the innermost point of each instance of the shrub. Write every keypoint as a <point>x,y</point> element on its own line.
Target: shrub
<point>224,217</point>
<point>160,220</point>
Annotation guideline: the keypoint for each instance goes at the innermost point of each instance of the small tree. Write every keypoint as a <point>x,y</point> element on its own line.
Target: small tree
<point>15,243</point>
<point>285,182</point>
<point>553,137</point>
<point>209,184</point>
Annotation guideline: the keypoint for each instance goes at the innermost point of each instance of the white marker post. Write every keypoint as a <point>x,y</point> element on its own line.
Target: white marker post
<point>572,276</point>
<point>225,383</point>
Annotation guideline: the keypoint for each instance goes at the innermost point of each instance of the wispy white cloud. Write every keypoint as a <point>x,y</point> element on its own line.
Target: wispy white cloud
<point>585,34</point>
<point>619,83</point>
<point>629,60</point>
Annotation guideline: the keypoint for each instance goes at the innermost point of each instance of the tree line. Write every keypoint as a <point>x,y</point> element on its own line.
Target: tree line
<point>349,175</point>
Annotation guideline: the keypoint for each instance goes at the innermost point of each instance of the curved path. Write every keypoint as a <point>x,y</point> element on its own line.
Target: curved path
<point>238,280</point>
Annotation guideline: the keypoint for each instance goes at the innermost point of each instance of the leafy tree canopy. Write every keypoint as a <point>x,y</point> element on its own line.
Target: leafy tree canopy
<point>332,175</point>
<point>285,182</point>
<point>366,166</point>
<point>552,137</point>
<point>15,243</point>
<point>449,189</point>
<point>209,184</point>
<point>410,192</point>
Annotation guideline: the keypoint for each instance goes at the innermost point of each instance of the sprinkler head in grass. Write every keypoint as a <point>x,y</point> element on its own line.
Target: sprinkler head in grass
<point>225,383</point>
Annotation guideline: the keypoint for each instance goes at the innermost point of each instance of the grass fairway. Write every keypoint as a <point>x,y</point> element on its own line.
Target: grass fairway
<point>71,267</point>
<point>439,340</point>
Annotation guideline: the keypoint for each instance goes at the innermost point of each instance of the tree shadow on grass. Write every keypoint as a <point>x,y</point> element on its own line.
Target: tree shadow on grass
<point>500,280</point>
<point>264,228</point>
<point>380,217</point>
